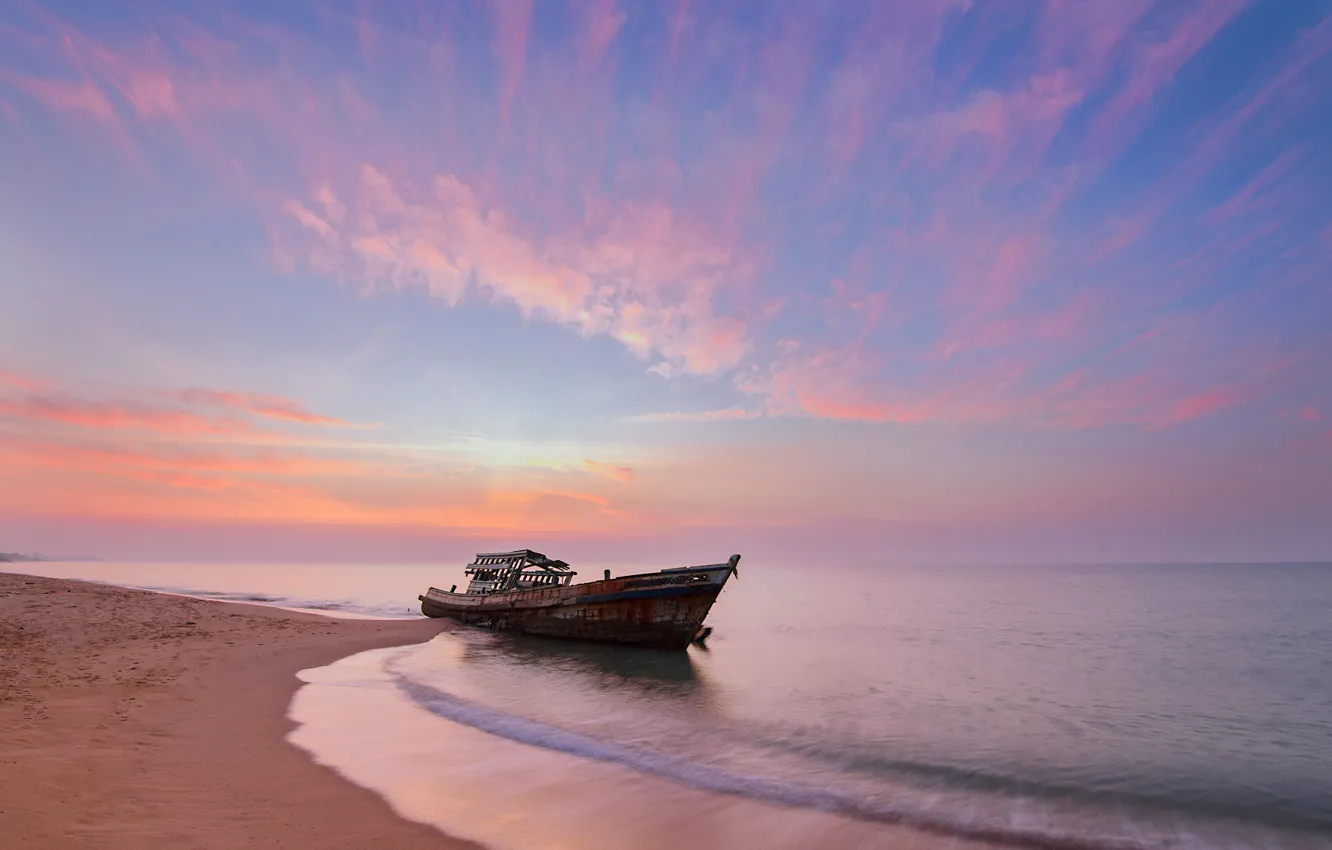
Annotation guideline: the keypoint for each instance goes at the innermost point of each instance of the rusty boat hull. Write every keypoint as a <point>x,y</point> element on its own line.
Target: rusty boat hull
<point>664,610</point>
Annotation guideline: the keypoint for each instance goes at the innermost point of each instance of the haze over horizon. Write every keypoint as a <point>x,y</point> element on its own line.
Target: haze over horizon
<point>929,281</point>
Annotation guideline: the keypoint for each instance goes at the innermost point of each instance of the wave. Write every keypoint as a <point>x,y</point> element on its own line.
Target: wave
<point>970,825</point>
<point>301,603</point>
<point>1258,808</point>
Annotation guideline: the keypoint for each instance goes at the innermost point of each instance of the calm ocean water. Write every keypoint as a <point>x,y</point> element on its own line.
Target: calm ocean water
<point>1126,706</point>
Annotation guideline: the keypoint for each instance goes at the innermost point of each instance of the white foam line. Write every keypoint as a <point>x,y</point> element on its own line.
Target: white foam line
<point>322,612</point>
<point>533,733</point>
<point>332,614</point>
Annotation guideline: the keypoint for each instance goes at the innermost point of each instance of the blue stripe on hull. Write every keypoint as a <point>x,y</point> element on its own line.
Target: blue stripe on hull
<point>661,617</point>
<point>663,610</point>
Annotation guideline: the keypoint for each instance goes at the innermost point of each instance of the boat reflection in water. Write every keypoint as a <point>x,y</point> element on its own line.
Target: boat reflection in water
<point>613,666</point>
<point>625,673</point>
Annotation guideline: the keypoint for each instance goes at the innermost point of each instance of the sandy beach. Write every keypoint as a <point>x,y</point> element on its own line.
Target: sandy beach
<point>131,719</point>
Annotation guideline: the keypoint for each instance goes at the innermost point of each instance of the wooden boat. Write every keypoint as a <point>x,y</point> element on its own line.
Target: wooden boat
<point>527,593</point>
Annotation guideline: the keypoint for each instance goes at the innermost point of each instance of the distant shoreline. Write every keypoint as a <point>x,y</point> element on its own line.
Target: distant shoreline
<point>162,719</point>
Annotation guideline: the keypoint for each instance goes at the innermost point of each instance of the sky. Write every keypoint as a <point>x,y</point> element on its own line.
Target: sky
<point>927,281</point>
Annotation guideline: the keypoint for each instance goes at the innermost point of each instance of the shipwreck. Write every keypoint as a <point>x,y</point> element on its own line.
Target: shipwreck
<point>527,593</point>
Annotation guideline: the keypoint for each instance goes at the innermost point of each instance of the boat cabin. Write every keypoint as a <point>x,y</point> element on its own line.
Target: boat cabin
<point>524,569</point>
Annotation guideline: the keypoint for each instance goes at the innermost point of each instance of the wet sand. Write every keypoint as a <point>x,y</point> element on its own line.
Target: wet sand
<point>131,719</point>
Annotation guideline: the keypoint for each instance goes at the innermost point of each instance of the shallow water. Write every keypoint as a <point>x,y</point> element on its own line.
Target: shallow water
<point>1037,706</point>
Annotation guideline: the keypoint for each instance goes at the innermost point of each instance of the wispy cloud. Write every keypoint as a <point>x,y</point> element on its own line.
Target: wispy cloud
<point>21,382</point>
<point>191,411</point>
<point>512,21</point>
<point>623,474</point>
<point>981,220</point>
<point>219,454</point>
<point>600,502</point>
<point>673,279</point>
<point>157,461</point>
<point>80,97</point>
<point>267,406</point>
<point>726,415</point>
<point>642,276</point>
<point>118,415</point>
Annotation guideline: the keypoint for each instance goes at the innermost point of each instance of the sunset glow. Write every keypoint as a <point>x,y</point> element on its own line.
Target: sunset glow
<point>919,280</point>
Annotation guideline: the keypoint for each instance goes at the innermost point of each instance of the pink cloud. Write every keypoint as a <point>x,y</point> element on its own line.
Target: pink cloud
<point>677,27</point>
<point>1015,328</point>
<point>766,95</point>
<point>1255,194</point>
<point>642,275</point>
<point>1142,400</point>
<point>1270,104</point>
<point>63,96</point>
<point>842,385</point>
<point>141,79</point>
<point>1018,383</point>
<point>308,219</point>
<point>1007,277</point>
<point>1003,135</point>
<point>671,282</point>
<point>1122,235</point>
<point>831,383</point>
<point>269,406</point>
<point>604,504</point>
<point>641,272</point>
<point>1085,37</point>
<point>1152,66</point>
<point>851,308</point>
<point>805,389</point>
<point>112,459</point>
<point>512,21</point>
<point>366,34</point>
<point>1158,62</point>
<point>191,411</point>
<point>117,415</point>
<point>20,382</point>
<point>152,94</point>
<point>623,474</point>
<point>890,50</point>
<point>10,113</point>
<point>1275,99</point>
<point>1198,405</point>
<point>982,303</point>
<point>726,415</point>
<point>1006,128</point>
<point>602,20</point>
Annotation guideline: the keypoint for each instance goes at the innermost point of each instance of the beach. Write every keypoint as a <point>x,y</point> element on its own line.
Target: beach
<point>1152,708</point>
<point>140,720</point>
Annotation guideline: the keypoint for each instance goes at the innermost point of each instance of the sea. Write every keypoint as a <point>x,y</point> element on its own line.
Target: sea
<point>1111,707</point>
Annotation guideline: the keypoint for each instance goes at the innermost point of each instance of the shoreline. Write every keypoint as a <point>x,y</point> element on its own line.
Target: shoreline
<point>135,719</point>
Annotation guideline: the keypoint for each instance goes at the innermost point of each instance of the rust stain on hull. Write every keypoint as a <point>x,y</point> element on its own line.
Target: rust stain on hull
<point>664,610</point>
<point>662,623</point>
